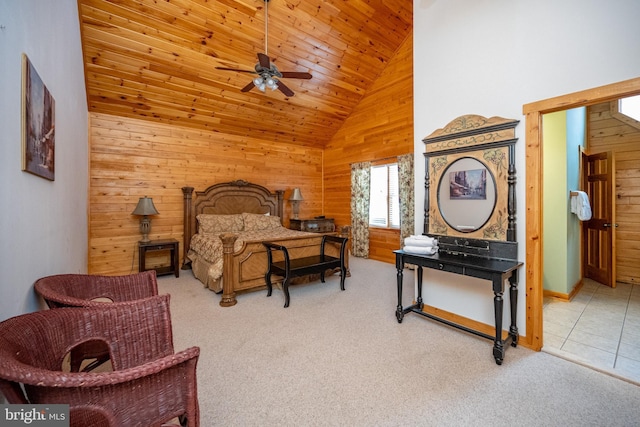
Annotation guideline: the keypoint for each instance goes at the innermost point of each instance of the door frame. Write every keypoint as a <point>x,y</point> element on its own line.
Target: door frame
<point>533,175</point>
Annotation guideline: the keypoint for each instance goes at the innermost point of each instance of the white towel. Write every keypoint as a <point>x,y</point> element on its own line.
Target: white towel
<point>580,206</point>
<point>422,250</point>
<point>424,241</point>
<point>421,237</point>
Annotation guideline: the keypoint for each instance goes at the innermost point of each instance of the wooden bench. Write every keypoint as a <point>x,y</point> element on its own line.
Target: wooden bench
<point>289,268</point>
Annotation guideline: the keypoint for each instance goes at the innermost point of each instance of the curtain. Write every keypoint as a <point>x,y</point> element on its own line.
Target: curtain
<point>406,194</point>
<point>360,180</point>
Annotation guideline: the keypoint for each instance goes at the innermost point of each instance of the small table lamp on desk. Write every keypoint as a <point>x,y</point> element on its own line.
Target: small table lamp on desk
<point>145,208</point>
<point>295,199</point>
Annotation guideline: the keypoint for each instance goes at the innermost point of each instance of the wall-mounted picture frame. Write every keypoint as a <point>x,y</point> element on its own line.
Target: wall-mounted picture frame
<point>38,124</point>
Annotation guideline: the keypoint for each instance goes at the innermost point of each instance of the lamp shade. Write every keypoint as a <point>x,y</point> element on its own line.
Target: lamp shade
<point>296,195</point>
<point>145,207</point>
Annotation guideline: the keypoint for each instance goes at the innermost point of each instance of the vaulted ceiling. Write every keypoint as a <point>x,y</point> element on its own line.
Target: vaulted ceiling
<point>157,59</point>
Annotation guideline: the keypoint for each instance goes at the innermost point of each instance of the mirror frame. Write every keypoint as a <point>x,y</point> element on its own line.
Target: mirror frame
<point>491,142</point>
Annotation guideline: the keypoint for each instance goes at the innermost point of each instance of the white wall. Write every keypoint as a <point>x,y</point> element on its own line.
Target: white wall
<point>43,223</point>
<point>490,57</point>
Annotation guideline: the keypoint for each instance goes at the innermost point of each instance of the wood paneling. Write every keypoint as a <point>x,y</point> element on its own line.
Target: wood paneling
<point>381,126</point>
<point>608,133</point>
<point>162,115</point>
<point>131,158</point>
<point>156,61</point>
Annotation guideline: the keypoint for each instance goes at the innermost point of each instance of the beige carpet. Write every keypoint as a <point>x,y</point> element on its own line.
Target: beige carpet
<point>338,358</point>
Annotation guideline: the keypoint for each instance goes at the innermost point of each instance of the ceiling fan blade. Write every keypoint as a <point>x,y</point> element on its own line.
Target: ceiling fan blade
<point>264,60</point>
<point>284,89</point>
<point>295,75</point>
<point>235,69</point>
<point>248,87</point>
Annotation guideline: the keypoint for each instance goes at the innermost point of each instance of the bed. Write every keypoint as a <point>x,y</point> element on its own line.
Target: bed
<point>224,227</point>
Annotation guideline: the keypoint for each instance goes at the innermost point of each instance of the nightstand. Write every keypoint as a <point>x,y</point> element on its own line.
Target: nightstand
<point>314,225</point>
<point>170,245</point>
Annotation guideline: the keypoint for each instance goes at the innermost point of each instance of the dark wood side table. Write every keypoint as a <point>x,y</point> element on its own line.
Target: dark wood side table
<point>498,264</point>
<point>170,245</point>
<point>314,225</point>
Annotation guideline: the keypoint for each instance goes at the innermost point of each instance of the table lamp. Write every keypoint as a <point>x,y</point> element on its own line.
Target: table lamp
<point>295,199</point>
<point>145,208</point>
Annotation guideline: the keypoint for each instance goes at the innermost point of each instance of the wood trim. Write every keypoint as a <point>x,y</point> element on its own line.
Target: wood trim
<point>534,169</point>
<point>586,97</point>
<point>564,296</point>
<point>533,240</point>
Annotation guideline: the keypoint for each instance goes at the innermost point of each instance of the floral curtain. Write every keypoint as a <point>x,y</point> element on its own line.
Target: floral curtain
<point>406,193</point>
<point>360,181</point>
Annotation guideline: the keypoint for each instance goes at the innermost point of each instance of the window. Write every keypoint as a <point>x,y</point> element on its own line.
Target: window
<point>630,107</point>
<point>627,110</point>
<point>384,201</point>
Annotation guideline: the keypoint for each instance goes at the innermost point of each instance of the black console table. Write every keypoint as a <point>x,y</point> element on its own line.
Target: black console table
<point>490,260</point>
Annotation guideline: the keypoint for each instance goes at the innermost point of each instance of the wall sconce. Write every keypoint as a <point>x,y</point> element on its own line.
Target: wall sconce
<point>145,208</point>
<point>295,199</point>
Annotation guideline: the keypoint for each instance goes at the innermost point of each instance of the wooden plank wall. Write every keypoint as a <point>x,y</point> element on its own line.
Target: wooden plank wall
<point>607,133</point>
<point>131,158</point>
<point>380,127</point>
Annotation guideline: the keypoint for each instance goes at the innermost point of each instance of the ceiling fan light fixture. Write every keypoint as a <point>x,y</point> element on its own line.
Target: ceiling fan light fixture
<point>272,83</point>
<point>268,73</point>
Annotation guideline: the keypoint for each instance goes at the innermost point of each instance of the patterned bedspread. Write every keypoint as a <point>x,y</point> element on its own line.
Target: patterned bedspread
<point>209,246</point>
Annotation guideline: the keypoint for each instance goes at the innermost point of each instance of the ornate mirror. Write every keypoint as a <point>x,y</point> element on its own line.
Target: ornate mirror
<point>466,194</point>
<point>470,179</point>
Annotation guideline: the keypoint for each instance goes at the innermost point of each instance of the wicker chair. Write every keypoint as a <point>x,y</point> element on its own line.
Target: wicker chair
<point>149,384</point>
<point>85,290</point>
<point>82,290</point>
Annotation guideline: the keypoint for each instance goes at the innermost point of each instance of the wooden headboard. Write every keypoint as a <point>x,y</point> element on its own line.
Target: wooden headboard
<point>228,198</point>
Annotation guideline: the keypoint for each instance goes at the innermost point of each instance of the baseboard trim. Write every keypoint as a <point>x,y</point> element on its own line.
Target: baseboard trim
<point>564,296</point>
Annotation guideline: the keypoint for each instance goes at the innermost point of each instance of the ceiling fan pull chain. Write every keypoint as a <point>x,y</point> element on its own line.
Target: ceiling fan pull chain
<point>266,26</point>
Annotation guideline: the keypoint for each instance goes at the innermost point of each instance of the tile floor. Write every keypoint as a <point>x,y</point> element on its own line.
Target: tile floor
<point>600,328</point>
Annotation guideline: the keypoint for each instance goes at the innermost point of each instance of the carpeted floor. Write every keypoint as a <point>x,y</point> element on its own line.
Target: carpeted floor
<point>338,358</point>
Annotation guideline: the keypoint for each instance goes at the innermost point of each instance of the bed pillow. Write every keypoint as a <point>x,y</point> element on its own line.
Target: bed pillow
<point>209,223</point>
<point>253,222</point>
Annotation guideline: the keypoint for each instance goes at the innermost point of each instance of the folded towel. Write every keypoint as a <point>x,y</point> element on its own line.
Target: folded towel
<point>422,250</point>
<point>421,237</point>
<point>424,241</point>
<point>580,206</point>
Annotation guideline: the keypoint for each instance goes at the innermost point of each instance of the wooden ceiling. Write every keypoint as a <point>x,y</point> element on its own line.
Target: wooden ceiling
<point>157,59</point>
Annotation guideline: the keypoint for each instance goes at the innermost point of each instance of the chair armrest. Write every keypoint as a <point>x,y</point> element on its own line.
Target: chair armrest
<point>31,375</point>
<point>270,245</point>
<point>335,239</point>
<point>273,246</point>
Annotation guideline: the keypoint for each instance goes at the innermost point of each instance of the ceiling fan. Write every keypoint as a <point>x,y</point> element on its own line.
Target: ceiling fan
<point>268,74</point>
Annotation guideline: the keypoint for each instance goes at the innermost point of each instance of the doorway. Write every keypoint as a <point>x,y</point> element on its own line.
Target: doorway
<point>597,327</point>
<point>534,169</point>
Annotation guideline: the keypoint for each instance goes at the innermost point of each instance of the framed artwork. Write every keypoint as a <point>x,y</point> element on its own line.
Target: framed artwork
<point>468,184</point>
<point>38,124</point>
